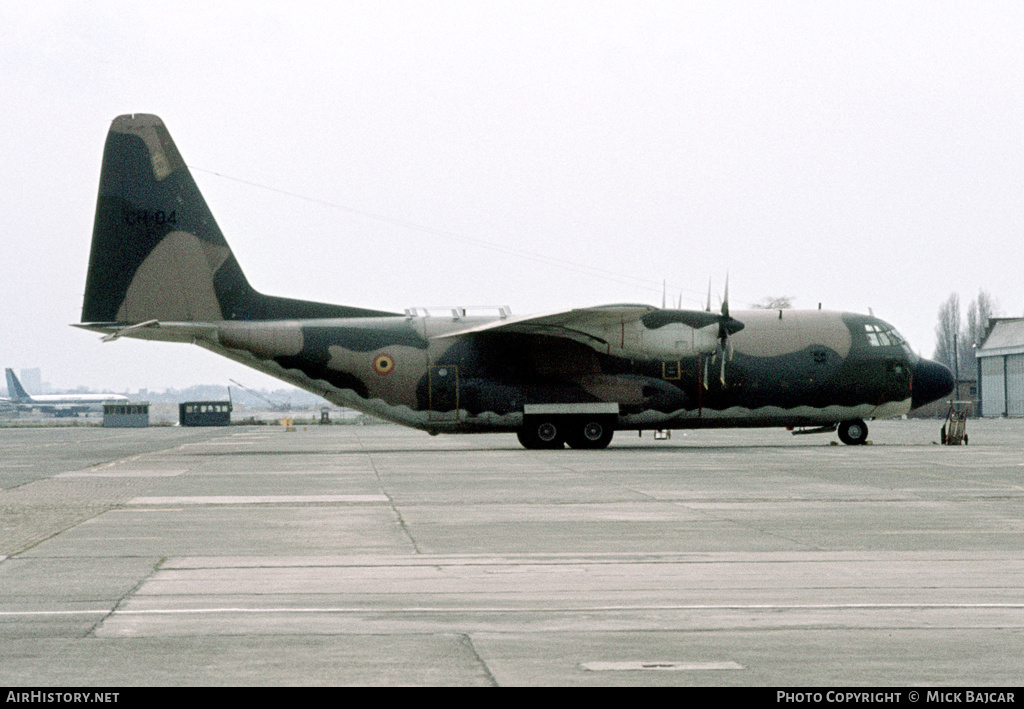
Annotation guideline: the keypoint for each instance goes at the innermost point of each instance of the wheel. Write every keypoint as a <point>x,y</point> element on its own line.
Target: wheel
<point>854,432</point>
<point>590,434</point>
<point>542,434</point>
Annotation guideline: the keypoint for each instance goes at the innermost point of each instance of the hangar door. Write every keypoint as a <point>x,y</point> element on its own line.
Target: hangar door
<point>1002,385</point>
<point>1014,385</point>
<point>993,395</point>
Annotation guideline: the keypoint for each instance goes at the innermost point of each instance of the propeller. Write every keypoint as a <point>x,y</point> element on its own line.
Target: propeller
<point>727,325</point>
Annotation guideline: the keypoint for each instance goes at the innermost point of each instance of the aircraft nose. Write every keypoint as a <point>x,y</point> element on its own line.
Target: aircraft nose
<point>931,381</point>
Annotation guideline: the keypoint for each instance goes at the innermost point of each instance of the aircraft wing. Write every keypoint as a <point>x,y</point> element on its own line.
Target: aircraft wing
<point>575,323</point>
<point>582,320</point>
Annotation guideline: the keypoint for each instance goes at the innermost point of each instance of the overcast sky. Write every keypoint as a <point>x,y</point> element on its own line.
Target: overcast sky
<point>539,155</point>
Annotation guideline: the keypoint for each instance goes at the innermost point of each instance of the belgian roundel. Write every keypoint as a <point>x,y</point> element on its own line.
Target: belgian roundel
<point>383,364</point>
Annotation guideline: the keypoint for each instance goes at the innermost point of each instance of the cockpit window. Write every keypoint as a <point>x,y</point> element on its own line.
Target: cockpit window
<point>881,335</point>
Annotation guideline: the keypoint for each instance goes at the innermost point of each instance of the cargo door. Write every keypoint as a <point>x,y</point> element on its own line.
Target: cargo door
<point>444,392</point>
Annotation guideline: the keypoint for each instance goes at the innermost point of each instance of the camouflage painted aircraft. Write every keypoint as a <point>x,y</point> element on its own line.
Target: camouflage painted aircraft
<point>160,269</point>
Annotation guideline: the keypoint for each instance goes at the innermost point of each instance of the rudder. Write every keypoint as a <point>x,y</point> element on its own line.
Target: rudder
<point>157,252</point>
<point>156,249</point>
<point>14,389</point>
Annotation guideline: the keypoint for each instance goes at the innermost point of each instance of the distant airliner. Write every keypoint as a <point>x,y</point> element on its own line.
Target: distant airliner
<point>160,269</point>
<point>57,404</point>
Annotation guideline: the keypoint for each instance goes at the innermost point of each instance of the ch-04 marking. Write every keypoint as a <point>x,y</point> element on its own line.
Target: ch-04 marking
<point>134,217</point>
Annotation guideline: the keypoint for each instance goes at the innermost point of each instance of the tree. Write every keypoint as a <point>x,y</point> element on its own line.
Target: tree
<point>947,331</point>
<point>979,313</point>
<point>955,343</point>
<point>774,302</point>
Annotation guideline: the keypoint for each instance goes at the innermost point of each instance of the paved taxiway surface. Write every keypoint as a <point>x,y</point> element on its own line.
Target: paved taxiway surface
<point>380,555</point>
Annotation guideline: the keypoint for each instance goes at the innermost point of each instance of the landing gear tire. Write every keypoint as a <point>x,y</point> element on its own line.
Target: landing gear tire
<point>853,433</point>
<point>541,435</point>
<point>591,434</point>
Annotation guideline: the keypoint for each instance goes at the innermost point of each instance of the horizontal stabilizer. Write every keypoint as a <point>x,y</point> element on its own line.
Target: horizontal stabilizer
<point>154,330</point>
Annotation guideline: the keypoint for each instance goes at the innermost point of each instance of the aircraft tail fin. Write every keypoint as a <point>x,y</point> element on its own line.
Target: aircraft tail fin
<point>157,252</point>
<point>15,390</point>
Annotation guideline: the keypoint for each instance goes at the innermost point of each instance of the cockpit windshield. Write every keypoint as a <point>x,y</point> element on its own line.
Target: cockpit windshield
<point>880,334</point>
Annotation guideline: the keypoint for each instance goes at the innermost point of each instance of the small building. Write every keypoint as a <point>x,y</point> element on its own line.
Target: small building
<point>1001,368</point>
<point>123,414</point>
<point>204,413</point>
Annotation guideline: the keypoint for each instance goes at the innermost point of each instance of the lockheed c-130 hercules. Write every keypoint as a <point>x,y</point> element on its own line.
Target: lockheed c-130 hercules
<point>160,269</point>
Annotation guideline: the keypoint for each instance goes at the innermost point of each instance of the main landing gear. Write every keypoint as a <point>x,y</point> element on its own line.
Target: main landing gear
<point>553,432</point>
<point>853,432</point>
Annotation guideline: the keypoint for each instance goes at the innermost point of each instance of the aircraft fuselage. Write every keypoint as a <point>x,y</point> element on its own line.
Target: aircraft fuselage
<point>788,368</point>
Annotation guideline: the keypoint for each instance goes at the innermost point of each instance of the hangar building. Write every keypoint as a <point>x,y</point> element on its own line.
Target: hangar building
<point>1001,368</point>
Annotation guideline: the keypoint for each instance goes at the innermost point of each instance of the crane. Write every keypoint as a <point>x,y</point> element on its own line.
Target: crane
<point>274,406</point>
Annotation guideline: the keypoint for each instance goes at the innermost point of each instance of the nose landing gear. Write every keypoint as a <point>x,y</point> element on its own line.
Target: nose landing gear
<point>853,432</point>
